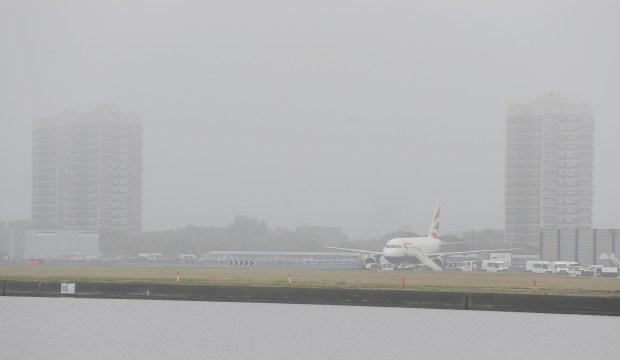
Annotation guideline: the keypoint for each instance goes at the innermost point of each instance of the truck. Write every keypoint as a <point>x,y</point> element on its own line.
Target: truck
<point>609,271</point>
<point>600,270</point>
<point>493,266</point>
<point>505,257</point>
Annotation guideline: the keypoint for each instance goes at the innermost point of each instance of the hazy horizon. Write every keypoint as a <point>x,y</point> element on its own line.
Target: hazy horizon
<point>357,114</point>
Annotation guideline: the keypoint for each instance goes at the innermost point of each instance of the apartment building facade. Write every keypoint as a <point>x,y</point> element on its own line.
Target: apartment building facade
<point>87,171</point>
<point>548,168</point>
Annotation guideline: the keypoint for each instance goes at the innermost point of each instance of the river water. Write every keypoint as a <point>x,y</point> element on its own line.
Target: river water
<point>69,328</point>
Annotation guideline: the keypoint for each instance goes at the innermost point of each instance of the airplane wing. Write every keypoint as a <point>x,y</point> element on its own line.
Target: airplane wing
<point>471,252</point>
<point>355,250</point>
<point>458,242</point>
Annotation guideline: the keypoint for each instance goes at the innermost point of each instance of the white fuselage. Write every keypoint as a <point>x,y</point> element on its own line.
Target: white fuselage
<point>402,250</point>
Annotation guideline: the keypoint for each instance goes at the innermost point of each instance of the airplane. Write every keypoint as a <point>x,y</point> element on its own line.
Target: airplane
<point>421,250</point>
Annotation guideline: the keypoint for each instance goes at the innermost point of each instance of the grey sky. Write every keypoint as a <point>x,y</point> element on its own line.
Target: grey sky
<point>361,112</point>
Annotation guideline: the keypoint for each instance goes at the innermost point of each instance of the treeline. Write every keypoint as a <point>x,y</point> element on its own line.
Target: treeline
<point>243,234</point>
<point>249,234</point>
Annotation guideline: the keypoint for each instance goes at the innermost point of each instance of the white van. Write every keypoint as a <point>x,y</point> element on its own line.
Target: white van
<point>538,267</point>
<point>559,268</point>
<point>187,257</point>
<point>150,256</point>
<point>493,266</point>
<point>76,256</point>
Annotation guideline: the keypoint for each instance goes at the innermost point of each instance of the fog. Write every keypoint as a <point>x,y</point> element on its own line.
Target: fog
<point>346,113</point>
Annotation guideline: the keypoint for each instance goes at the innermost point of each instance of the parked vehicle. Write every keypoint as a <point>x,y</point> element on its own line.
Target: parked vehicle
<point>493,266</point>
<point>150,256</point>
<point>467,265</point>
<point>505,257</point>
<point>388,267</point>
<point>609,271</point>
<point>76,256</point>
<point>372,266</point>
<point>538,267</point>
<point>574,269</point>
<point>600,270</point>
<point>559,268</point>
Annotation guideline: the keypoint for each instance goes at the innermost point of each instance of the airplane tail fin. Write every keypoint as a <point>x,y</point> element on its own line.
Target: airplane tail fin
<point>434,231</point>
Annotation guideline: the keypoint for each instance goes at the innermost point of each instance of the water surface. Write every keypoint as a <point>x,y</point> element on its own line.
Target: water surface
<point>69,328</point>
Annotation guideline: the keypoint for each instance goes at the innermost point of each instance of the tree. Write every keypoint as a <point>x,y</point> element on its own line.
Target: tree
<point>244,230</point>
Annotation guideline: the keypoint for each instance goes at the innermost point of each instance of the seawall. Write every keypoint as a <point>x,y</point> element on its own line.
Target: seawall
<point>491,301</point>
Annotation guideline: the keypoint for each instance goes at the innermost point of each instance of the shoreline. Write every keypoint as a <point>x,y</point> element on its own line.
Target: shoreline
<point>540,302</point>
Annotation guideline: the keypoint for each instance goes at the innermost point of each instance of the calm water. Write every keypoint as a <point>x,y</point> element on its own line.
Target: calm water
<point>67,328</point>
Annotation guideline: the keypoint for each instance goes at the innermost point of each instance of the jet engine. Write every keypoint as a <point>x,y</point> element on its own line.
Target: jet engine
<point>371,261</point>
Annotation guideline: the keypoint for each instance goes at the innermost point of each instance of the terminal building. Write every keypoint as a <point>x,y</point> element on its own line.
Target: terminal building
<point>584,246</point>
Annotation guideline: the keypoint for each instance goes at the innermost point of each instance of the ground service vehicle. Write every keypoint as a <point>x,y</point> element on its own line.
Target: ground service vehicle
<point>574,269</point>
<point>493,266</point>
<point>538,267</point>
<point>76,256</point>
<point>188,257</point>
<point>600,270</point>
<point>150,256</point>
<point>559,268</point>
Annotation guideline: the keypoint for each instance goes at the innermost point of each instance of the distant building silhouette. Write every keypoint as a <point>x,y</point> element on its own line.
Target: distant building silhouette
<point>549,168</point>
<point>87,171</point>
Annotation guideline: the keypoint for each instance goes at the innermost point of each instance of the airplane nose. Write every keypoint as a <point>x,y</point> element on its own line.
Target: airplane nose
<point>388,252</point>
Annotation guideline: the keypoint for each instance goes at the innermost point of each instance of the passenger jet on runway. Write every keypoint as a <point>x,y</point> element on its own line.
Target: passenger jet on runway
<point>418,250</point>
